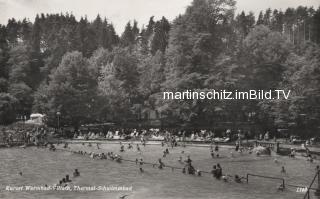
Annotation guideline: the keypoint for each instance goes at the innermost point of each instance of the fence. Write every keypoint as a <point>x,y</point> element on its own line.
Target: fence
<point>307,195</point>
<point>261,176</point>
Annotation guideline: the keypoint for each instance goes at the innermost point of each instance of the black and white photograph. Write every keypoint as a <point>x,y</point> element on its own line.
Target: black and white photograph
<point>160,99</point>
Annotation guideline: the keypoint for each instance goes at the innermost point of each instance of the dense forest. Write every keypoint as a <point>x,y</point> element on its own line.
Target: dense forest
<point>86,71</point>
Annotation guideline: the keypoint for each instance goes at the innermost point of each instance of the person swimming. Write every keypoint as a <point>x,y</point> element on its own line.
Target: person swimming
<point>140,165</point>
<point>68,179</point>
<point>76,173</point>
<point>103,156</point>
<point>219,171</point>
<point>118,158</point>
<point>214,171</point>
<point>188,161</point>
<point>199,173</point>
<point>191,169</point>
<point>138,148</point>
<point>212,154</point>
<point>224,178</point>
<point>237,179</point>
<point>122,148</point>
<point>164,154</point>
<point>167,150</point>
<point>216,148</point>
<point>161,164</point>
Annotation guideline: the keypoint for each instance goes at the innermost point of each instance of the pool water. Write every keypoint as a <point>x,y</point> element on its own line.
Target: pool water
<point>39,166</point>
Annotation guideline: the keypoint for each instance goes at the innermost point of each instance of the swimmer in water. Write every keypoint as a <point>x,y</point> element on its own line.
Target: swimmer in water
<point>237,179</point>
<point>225,178</point>
<point>219,171</point>
<point>281,187</point>
<point>199,172</point>
<point>164,154</point>
<point>167,150</point>
<point>122,148</point>
<point>140,165</point>
<point>161,164</point>
<point>188,161</point>
<point>76,173</point>
<point>216,148</point>
<point>214,171</point>
<point>138,148</point>
<point>68,179</point>
<point>212,154</point>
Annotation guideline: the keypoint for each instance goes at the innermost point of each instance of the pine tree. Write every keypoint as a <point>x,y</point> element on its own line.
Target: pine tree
<point>267,17</point>
<point>135,29</point>
<point>12,32</point>
<point>260,18</point>
<point>161,36</point>
<point>4,52</point>
<point>35,54</point>
<point>127,37</point>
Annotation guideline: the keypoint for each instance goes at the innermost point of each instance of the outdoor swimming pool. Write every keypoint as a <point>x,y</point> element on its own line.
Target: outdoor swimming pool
<point>40,166</point>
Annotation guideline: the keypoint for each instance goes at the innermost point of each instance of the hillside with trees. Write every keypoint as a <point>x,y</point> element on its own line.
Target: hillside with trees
<point>89,74</point>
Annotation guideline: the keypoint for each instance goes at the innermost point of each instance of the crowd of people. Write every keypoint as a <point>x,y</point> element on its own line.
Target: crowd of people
<point>188,164</point>
<point>38,136</point>
<point>24,134</point>
<point>154,134</point>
